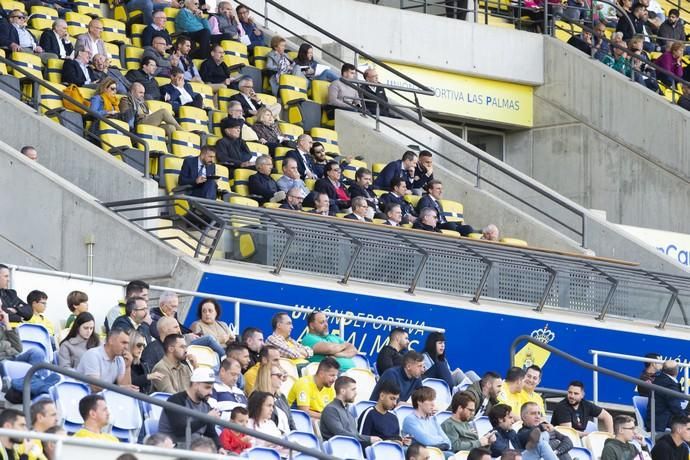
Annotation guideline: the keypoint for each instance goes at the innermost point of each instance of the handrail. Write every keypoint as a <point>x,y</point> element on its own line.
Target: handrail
<point>37,81</point>
<point>653,389</point>
<point>342,317</point>
<point>61,440</point>
<point>26,401</point>
<point>640,359</point>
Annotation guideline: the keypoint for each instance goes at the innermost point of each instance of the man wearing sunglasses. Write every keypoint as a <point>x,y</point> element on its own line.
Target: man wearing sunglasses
<point>15,36</point>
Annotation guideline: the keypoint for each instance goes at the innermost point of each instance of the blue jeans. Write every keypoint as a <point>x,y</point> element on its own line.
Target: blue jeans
<point>147,7</point>
<point>212,343</point>
<point>39,384</point>
<point>542,451</point>
<point>328,75</point>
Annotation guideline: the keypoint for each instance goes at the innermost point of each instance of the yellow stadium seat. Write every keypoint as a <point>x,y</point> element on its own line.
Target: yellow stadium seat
<point>89,8</point>
<point>115,55</point>
<point>9,5</point>
<point>319,91</point>
<point>216,118</point>
<point>350,168</point>
<point>206,91</point>
<point>29,62</point>
<point>111,138</point>
<point>292,88</point>
<point>205,356</point>
<point>514,241</point>
<point>114,31</point>
<point>291,132</point>
<point>292,55</point>
<point>260,53</point>
<point>570,433</point>
<point>171,14</point>
<point>257,148</point>
<point>49,101</point>
<point>54,70</point>
<point>119,12</point>
<point>279,153</point>
<point>154,106</point>
<point>376,168</point>
<point>224,95</point>
<point>235,52</point>
<point>212,140</point>
<point>193,119</point>
<point>135,34</point>
<point>475,236</point>
<point>156,140</point>
<point>184,144</point>
<point>241,181</point>
<point>170,168</point>
<point>133,57</point>
<point>42,17</point>
<point>328,137</point>
<point>224,180</point>
<point>412,199</point>
<point>267,99</point>
<point>452,210</point>
<point>244,201</point>
<point>162,80</point>
<point>309,183</point>
<point>3,67</point>
<point>77,23</point>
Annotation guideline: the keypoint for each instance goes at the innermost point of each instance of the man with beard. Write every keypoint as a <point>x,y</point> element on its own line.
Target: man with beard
<point>13,448</point>
<point>195,398</point>
<point>337,420</point>
<point>485,392</point>
<point>575,411</point>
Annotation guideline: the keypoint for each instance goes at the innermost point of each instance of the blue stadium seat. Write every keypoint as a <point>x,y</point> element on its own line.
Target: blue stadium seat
<point>641,403</point>
<point>580,453</point>
<point>443,415</point>
<point>67,396</point>
<point>443,395</point>
<point>344,447</point>
<point>303,438</point>
<point>302,421</point>
<point>361,362</point>
<point>385,450</point>
<point>125,416</point>
<point>360,407</point>
<point>153,411</point>
<point>150,426</point>
<point>261,453</point>
<point>482,425</point>
<point>403,411</point>
<point>15,369</point>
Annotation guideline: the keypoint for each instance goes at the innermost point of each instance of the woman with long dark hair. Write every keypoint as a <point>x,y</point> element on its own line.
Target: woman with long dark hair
<point>260,409</point>
<point>305,60</point>
<point>435,361</point>
<point>81,337</point>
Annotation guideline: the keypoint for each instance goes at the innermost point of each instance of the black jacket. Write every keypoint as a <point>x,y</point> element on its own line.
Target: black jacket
<point>49,43</point>
<point>211,72</point>
<point>428,228</point>
<point>628,32</point>
<point>301,165</point>
<point>232,152</point>
<point>178,423</point>
<point>150,33</point>
<point>153,91</point>
<point>324,185</point>
<point>371,105</point>
<point>368,194</point>
<point>352,216</point>
<point>388,357</point>
<point>72,73</point>
<point>10,300</point>
<point>665,406</point>
<point>157,314</point>
<point>263,186</point>
<point>503,441</point>
<point>123,322</point>
<point>8,34</point>
<point>666,449</point>
<point>405,207</point>
<point>239,97</point>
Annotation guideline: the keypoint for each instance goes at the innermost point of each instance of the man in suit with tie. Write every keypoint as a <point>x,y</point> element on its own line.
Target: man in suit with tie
<point>360,209</point>
<point>77,71</point>
<point>397,196</point>
<point>433,200</point>
<point>305,164</point>
<point>362,187</point>
<point>55,42</point>
<point>404,168</point>
<point>197,172</point>
<point>667,406</point>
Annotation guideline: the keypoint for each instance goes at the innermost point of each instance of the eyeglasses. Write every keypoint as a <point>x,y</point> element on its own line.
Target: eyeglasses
<point>281,375</point>
<point>19,17</point>
<point>112,88</point>
<point>627,427</point>
<point>140,345</point>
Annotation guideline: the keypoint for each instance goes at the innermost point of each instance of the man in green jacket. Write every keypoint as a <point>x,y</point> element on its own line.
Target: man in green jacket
<point>459,427</point>
<point>620,447</point>
<point>485,392</point>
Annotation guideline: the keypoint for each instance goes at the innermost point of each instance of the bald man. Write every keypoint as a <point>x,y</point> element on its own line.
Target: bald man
<point>667,406</point>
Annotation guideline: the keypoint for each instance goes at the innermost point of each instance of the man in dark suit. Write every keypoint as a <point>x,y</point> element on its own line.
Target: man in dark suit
<point>305,164</point>
<point>666,406</point>
<point>232,150</point>
<point>196,172</point>
<point>360,208</point>
<point>331,186</point>
<point>77,71</point>
<point>432,200</point>
<point>146,76</point>
<point>179,93</point>
<point>262,184</point>
<point>322,205</point>
<point>393,215</point>
<point>293,200</point>
<point>427,220</point>
<point>399,168</point>
<point>51,40</point>
<point>396,196</point>
<point>362,187</point>
<point>372,76</point>
<point>15,36</point>
<point>423,173</point>
<point>247,97</point>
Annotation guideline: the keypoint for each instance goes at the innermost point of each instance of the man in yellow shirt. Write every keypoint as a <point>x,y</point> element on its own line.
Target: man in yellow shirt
<point>268,355</point>
<point>512,394</point>
<point>13,448</point>
<point>95,413</point>
<point>532,380</point>
<point>312,393</point>
<point>38,300</point>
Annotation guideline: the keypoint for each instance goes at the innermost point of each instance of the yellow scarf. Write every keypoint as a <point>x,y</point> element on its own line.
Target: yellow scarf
<point>110,103</point>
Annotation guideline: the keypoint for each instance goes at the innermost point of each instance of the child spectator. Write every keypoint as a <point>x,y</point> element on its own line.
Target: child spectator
<point>77,302</point>
<point>38,300</point>
<point>233,441</point>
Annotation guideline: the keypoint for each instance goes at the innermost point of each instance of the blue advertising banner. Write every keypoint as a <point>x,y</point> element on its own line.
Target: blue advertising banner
<point>476,339</point>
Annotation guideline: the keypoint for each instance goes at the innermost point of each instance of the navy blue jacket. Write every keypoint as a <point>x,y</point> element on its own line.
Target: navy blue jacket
<point>49,43</point>
<point>262,185</point>
<point>189,173</point>
<point>397,374</point>
<point>405,207</point>
<point>8,34</point>
<point>173,95</point>
<point>665,406</point>
<point>150,33</point>
<point>391,171</point>
<point>503,441</point>
<point>72,74</point>
<point>427,202</point>
<point>300,163</point>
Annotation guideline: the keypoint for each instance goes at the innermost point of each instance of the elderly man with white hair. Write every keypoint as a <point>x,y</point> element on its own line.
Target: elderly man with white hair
<point>291,178</point>
<point>56,43</point>
<point>490,233</point>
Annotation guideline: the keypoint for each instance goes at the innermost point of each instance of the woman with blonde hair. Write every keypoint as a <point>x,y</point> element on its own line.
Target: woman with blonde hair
<point>266,128</point>
<point>270,379</point>
<point>141,374</point>
<point>105,102</point>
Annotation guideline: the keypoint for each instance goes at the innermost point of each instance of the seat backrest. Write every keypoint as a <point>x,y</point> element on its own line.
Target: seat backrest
<point>443,395</point>
<point>193,119</point>
<point>442,416</point>
<point>402,412</point>
<point>344,447</point>
<point>205,356</point>
<point>124,411</point>
<point>290,131</point>
<point>115,55</point>
<point>385,450</point>
<point>77,23</point>
<point>365,382</point>
<point>236,51</point>
<point>361,406</point>
<point>136,31</point>
<point>595,442</point>
<point>42,17</point>
<point>206,91</point>
<point>133,57</point>
<point>15,369</point>
<point>303,438</point>
<point>183,144</point>
<point>67,396</point>
<point>170,172</point>
<point>462,455</point>
<point>154,411</point>
<point>302,421</point>
<point>289,367</point>
<point>482,425</point>
<point>261,453</point>
<point>580,453</point>
<point>260,53</point>
<point>572,434</point>
<point>154,137</point>
<point>452,210</point>
<point>640,404</point>
<point>319,91</point>
<point>54,70</point>
<point>29,62</point>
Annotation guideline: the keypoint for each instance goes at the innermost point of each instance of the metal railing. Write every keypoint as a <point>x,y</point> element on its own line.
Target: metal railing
<point>640,359</point>
<point>37,104</point>
<point>412,259</point>
<point>653,389</point>
<point>343,318</point>
<point>165,405</point>
<point>61,441</point>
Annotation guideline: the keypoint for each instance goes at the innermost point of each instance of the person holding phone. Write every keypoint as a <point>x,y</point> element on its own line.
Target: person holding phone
<point>196,171</point>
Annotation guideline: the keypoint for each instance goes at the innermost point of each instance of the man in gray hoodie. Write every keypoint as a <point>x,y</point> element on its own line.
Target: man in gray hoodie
<point>621,447</point>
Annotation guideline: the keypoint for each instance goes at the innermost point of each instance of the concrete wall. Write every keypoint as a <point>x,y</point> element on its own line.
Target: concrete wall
<point>486,205</point>
<point>419,39</point>
<point>70,156</point>
<point>46,220</point>
<point>606,143</point>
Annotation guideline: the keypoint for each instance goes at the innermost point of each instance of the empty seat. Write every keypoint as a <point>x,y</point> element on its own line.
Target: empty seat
<point>303,438</point>
<point>482,425</point>
<point>452,210</point>
<point>125,416</point>
<point>29,62</point>
<point>235,52</point>
<point>37,333</point>
<point>67,396</point>
<point>261,453</point>
<point>154,137</point>
<point>193,119</point>
<point>54,70</point>
<point>184,144</point>
<point>290,132</point>
<point>350,168</point>
<point>205,356</point>
<point>171,14</point>
<point>132,57</point>
<point>224,95</point>
<point>344,447</point>
<point>77,23</point>
<point>42,17</point>
<point>88,8</point>
<point>302,421</point>
<point>292,88</point>
<point>241,183</point>
<point>136,31</point>
<point>113,140</point>
<point>366,381</point>
<point>114,31</point>
<point>385,450</point>
<point>328,137</point>
<point>115,55</point>
<point>206,91</point>
<point>260,53</point>
<point>594,442</point>
<point>443,395</point>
